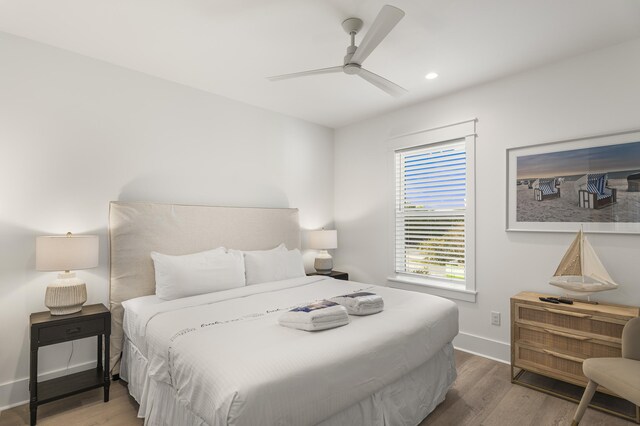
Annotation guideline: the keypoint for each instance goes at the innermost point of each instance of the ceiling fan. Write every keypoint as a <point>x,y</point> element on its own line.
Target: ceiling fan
<point>386,20</point>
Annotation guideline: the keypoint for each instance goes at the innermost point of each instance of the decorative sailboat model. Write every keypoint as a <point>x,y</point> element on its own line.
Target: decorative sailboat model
<point>580,272</point>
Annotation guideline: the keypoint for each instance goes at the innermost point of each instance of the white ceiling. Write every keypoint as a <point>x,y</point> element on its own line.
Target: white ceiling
<point>228,47</point>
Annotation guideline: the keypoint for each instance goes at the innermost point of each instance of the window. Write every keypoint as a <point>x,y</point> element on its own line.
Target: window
<point>430,208</point>
<point>433,229</point>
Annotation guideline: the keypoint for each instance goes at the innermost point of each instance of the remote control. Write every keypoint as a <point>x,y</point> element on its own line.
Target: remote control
<point>558,300</point>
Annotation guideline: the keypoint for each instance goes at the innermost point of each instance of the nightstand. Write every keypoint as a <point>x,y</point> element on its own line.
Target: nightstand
<point>334,274</point>
<point>47,329</point>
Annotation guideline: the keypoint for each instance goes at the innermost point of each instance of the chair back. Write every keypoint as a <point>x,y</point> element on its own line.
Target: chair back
<point>596,182</point>
<point>547,186</point>
<point>631,340</point>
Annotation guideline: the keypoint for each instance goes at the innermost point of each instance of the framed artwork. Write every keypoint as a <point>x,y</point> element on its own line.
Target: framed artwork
<point>558,186</point>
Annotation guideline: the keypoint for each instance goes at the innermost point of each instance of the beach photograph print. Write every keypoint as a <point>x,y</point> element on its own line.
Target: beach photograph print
<point>599,184</point>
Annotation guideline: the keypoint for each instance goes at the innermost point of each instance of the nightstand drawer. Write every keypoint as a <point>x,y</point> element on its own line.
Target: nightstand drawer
<point>333,274</point>
<point>72,330</point>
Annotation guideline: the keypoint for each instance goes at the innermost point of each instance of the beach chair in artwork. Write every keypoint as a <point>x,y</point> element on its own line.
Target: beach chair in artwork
<point>593,192</point>
<point>633,182</point>
<point>545,189</point>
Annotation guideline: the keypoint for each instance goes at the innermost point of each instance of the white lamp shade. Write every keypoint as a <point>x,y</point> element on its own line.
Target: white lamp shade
<point>66,253</point>
<point>323,240</point>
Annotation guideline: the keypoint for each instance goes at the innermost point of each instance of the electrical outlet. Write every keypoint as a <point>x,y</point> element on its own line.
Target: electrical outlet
<point>495,318</point>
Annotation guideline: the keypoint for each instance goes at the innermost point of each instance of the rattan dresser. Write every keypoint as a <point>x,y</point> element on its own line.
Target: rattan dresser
<point>553,339</point>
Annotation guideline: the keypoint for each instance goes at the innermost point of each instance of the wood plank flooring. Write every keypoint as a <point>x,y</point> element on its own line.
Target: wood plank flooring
<point>482,395</point>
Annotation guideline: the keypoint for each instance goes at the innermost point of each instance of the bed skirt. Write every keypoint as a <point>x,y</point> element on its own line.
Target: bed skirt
<point>405,402</point>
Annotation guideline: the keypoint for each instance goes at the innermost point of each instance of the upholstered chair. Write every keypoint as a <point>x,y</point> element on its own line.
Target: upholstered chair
<point>619,375</point>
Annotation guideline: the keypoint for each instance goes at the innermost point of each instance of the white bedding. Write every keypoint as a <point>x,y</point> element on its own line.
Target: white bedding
<point>229,361</point>
<point>405,402</point>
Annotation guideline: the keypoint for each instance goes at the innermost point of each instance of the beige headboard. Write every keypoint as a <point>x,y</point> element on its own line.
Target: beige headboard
<point>136,229</point>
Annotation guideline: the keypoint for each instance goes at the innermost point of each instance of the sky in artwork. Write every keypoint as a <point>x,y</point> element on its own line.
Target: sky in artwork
<point>611,158</point>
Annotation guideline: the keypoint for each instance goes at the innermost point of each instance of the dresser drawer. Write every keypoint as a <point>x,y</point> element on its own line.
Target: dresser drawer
<point>65,332</point>
<point>547,361</point>
<point>609,328</point>
<point>566,342</point>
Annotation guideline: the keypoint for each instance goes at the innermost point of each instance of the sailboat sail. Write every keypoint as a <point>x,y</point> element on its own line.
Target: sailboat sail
<point>581,271</point>
<point>571,263</point>
<point>594,267</point>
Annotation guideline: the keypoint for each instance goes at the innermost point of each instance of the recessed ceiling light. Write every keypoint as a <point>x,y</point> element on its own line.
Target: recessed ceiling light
<point>431,76</point>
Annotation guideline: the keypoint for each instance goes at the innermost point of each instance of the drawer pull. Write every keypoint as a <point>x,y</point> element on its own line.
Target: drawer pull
<point>563,356</point>
<point>570,336</point>
<point>571,314</point>
<point>73,330</point>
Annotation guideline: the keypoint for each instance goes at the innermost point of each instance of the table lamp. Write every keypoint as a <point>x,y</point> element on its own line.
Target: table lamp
<point>67,294</point>
<point>323,240</point>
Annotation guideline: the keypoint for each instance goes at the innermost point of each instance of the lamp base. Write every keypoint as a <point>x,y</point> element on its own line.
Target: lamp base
<point>323,263</point>
<point>66,295</point>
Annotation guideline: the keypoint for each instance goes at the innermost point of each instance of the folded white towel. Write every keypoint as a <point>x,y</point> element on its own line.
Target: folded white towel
<point>315,316</point>
<point>361,303</point>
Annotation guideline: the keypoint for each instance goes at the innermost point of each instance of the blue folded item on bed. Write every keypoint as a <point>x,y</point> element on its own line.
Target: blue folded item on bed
<point>315,316</point>
<point>361,303</point>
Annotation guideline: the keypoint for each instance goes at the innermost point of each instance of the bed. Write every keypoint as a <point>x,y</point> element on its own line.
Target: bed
<point>221,358</point>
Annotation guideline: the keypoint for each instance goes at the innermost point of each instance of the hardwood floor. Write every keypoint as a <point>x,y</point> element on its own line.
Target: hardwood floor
<point>482,395</point>
<point>85,409</point>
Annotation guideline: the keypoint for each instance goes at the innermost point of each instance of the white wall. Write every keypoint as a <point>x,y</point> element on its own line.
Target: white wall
<point>76,133</point>
<point>587,95</point>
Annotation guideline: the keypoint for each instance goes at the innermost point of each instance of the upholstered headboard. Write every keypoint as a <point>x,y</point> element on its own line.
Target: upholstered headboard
<point>136,229</point>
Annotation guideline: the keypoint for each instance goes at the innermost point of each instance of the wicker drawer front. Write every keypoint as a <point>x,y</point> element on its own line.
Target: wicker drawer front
<point>580,346</point>
<point>549,361</point>
<point>608,327</point>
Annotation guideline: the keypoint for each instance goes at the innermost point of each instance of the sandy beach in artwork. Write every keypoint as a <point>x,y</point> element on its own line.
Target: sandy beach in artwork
<point>566,208</point>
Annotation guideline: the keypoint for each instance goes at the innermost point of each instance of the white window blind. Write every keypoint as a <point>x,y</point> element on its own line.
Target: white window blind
<point>430,211</point>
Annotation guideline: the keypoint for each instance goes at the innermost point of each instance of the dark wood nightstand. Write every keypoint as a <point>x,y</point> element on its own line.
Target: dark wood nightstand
<point>334,274</point>
<point>47,329</point>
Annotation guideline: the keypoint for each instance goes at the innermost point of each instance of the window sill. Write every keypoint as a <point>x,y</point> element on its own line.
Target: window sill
<point>450,291</point>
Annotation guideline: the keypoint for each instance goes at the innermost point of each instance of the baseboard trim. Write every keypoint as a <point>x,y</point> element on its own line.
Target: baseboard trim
<point>484,347</point>
<point>16,392</point>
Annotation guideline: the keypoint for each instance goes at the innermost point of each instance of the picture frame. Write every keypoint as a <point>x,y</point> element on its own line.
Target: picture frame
<point>593,182</point>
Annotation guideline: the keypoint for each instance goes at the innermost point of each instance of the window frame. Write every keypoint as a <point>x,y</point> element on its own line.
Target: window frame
<point>463,290</point>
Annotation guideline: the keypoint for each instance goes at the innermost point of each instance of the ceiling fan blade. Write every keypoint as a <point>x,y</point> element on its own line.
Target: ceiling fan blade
<point>388,17</point>
<point>382,83</point>
<point>305,73</point>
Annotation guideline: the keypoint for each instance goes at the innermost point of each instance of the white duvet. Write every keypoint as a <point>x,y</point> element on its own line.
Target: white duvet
<point>232,364</point>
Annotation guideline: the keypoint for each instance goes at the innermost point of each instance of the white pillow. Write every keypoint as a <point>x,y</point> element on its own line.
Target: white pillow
<point>260,266</point>
<point>263,266</point>
<point>294,267</point>
<point>198,273</point>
